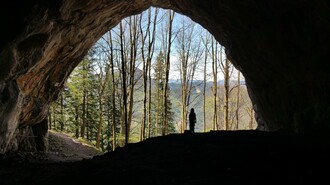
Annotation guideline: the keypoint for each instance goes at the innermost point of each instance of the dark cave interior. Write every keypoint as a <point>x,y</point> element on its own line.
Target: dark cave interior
<point>280,46</point>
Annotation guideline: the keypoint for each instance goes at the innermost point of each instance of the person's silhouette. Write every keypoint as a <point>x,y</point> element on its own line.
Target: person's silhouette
<point>192,120</point>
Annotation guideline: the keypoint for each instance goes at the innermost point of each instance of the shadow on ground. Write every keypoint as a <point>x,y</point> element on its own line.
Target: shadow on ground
<point>222,157</point>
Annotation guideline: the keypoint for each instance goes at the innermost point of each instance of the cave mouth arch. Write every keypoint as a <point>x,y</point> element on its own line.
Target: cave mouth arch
<point>263,40</point>
<point>107,52</point>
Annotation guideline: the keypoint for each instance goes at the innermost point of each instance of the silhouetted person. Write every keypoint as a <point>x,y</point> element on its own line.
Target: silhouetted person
<point>192,120</point>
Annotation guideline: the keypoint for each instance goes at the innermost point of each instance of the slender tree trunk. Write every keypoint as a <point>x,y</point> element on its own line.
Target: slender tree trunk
<point>83,124</point>
<point>145,77</point>
<point>226,84</point>
<point>167,70</point>
<point>88,123</point>
<point>76,119</point>
<point>237,98</point>
<point>113,96</point>
<point>62,113</point>
<point>184,103</point>
<point>54,118</point>
<point>204,87</point>
<point>184,63</point>
<point>124,87</point>
<point>215,83</point>
<point>149,99</point>
<point>144,111</point>
<point>109,126</point>
<point>146,68</point>
<point>50,119</point>
<point>99,127</point>
<point>251,118</point>
<point>119,94</point>
<point>157,110</point>
<point>150,55</point>
<point>103,80</point>
<point>187,67</point>
<point>133,51</point>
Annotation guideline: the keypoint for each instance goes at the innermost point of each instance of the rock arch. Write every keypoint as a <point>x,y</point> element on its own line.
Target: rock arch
<point>281,48</point>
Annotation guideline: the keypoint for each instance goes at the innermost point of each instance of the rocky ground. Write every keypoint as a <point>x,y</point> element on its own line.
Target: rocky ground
<point>234,157</point>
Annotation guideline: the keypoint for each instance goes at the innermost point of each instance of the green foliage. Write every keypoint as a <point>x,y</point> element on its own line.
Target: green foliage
<point>158,95</point>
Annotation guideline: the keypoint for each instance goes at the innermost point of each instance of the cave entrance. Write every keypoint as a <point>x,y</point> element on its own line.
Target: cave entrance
<point>287,76</point>
<point>93,105</point>
<point>55,41</point>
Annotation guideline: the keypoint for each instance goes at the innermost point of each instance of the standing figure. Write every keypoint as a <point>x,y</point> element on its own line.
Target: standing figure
<point>192,120</point>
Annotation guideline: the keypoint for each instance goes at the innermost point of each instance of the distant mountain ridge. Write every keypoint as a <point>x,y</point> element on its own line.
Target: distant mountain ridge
<point>220,82</point>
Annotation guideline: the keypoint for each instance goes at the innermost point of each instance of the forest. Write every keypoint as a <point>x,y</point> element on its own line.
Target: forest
<point>141,79</point>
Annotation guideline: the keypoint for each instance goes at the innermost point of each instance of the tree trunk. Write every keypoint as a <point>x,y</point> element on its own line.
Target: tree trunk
<point>76,122</point>
<point>124,87</point>
<point>54,118</point>
<point>204,84</point>
<point>50,119</point>
<point>157,110</point>
<point>144,110</point>
<point>149,99</point>
<point>251,114</point>
<point>167,70</point>
<point>237,98</point>
<point>215,83</point>
<point>146,68</point>
<point>114,123</point>
<point>83,124</point>
<point>103,81</point>
<point>133,51</point>
<point>145,77</point>
<point>226,98</point>
<point>99,127</point>
<point>62,113</point>
<point>87,124</point>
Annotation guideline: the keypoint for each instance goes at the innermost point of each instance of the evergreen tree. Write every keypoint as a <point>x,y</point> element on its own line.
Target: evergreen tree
<point>159,76</point>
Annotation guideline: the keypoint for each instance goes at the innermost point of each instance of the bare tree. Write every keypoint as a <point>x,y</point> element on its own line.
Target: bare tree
<point>113,97</point>
<point>145,76</point>
<point>107,48</point>
<point>103,80</point>
<point>133,35</point>
<point>206,41</point>
<point>150,34</point>
<point>214,51</point>
<point>167,69</point>
<point>195,58</point>
<point>124,87</point>
<point>227,69</point>
<point>186,69</point>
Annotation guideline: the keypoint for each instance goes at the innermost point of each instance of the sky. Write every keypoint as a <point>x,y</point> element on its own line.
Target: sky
<point>174,59</point>
<point>181,22</point>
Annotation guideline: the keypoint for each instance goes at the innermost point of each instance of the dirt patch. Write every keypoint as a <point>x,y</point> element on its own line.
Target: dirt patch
<point>65,148</point>
<point>62,148</point>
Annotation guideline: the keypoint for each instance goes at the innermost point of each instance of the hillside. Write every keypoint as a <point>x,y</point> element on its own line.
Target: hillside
<point>224,157</point>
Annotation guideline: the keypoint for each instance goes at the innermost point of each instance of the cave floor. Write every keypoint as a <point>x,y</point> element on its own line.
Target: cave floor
<point>222,157</point>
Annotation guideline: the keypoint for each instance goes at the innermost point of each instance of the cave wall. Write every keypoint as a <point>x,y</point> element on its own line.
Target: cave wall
<point>280,47</point>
